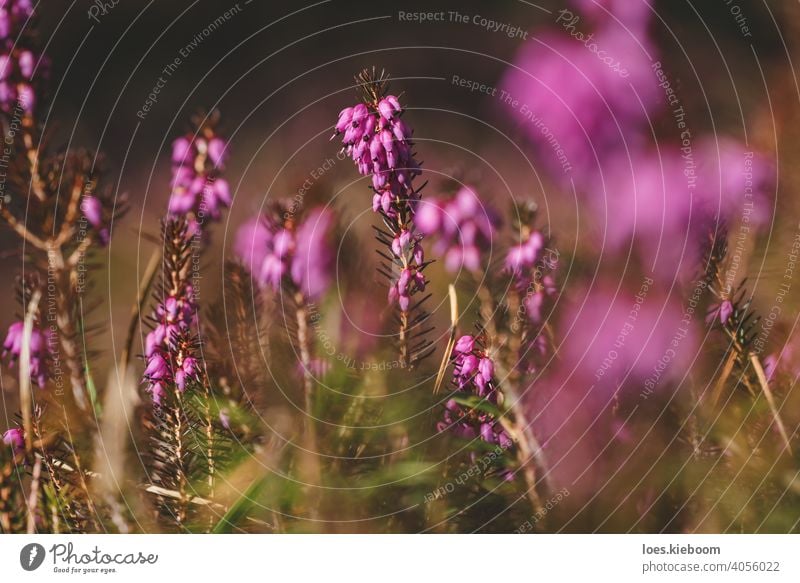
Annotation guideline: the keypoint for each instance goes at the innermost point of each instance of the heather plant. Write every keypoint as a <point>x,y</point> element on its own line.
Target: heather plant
<point>499,377</point>
<point>380,142</point>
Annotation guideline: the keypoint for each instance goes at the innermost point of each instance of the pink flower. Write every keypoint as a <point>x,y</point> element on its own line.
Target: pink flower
<point>312,264</point>
<point>273,251</point>
<point>572,97</point>
<point>197,188</point>
<point>92,209</point>
<point>463,227</point>
<point>473,372</point>
<point>39,350</point>
<point>15,438</point>
<point>464,345</point>
<point>632,337</point>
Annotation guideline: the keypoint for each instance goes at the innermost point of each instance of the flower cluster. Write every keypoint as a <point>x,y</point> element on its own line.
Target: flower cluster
<point>276,250</point>
<point>13,14</point>
<point>379,142</point>
<point>17,62</point>
<point>411,281</point>
<point>592,105</point>
<point>463,226</point>
<point>600,110</point>
<point>170,347</point>
<point>531,265</point>
<point>12,349</point>
<point>197,188</point>
<point>474,373</point>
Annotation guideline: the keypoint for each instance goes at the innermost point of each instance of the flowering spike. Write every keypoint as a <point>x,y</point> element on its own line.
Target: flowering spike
<point>463,226</point>
<point>171,351</point>
<point>198,189</point>
<point>379,143</point>
<point>280,251</point>
<point>473,372</point>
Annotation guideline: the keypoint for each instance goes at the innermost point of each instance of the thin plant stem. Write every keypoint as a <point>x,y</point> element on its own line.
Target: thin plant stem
<point>451,342</point>
<point>25,395</point>
<point>146,283</point>
<point>33,496</point>
<point>310,462</point>
<point>66,327</point>
<point>762,379</point>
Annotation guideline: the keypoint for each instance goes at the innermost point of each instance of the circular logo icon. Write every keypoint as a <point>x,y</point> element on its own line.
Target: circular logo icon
<point>31,556</point>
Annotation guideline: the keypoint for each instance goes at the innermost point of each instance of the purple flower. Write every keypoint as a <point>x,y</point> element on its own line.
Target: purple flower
<point>574,106</point>
<point>13,16</point>
<point>15,438</point>
<point>464,345</point>
<point>17,62</point>
<point>275,250</point>
<point>379,142</point>
<point>463,228</point>
<point>16,90</point>
<point>409,282</point>
<point>785,361</point>
<point>531,265</point>
<point>524,256</point>
<point>12,349</point>
<point>92,209</point>
<point>197,187</point>
<point>657,196</point>
<point>225,419</point>
<point>720,313</point>
<point>725,311</point>
<point>473,372</point>
<point>629,336</point>
<point>312,262</point>
<point>157,367</point>
<point>252,243</point>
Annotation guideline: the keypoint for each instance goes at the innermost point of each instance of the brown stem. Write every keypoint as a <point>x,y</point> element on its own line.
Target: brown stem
<point>209,430</point>
<point>25,394</point>
<point>33,497</point>
<point>66,231</point>
<point>762,379</point>
<point>451,342</point>
<point>310,462</point>
<point>22,230</point>
<point>79,253</point>
<point>37,184</point>
<point>403,336</point>
<point>727,369</point>
<point>64,306</point>
<point>529,453</point>
<point>181,475</point>
<point>764,384</point>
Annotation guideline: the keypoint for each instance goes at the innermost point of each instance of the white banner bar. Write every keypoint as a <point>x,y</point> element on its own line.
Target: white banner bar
<point>400,558</point>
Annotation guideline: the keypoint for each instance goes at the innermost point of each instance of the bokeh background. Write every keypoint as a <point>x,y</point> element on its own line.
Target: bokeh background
<point>280,72</point>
